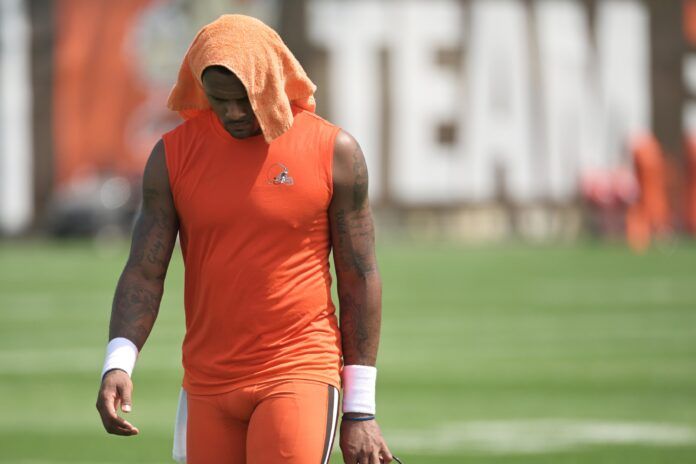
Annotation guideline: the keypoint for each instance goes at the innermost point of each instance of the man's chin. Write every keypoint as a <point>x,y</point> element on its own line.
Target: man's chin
<point>244,134</point>
<point>243,131</point>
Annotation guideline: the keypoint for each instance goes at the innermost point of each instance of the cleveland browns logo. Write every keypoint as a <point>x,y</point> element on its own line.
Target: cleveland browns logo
<point>278,174</point>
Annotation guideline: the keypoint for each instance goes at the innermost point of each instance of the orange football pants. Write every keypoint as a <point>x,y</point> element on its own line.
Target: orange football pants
<point>289,421</point>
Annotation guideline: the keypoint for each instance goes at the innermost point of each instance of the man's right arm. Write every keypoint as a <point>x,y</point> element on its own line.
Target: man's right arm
<point>139,290</point>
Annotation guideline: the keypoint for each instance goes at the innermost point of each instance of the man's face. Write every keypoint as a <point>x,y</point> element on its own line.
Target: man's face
<point>228,99</point>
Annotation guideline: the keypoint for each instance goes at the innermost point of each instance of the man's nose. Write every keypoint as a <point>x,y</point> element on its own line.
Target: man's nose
<point>235,111</point>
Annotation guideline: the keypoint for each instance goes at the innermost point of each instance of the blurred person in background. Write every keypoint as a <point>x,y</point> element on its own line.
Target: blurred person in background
<point>260,189</point>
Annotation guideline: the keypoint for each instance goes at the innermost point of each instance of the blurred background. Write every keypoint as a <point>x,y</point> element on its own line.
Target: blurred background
<point>533,177</point>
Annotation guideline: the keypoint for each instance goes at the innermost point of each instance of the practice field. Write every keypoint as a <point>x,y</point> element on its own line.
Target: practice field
<point>578,354</point>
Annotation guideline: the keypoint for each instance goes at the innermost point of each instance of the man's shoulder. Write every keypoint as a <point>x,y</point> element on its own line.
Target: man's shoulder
<point>311,118</point>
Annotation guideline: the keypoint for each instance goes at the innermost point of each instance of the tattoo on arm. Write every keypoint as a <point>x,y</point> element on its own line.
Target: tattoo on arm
<point>361,180</point>
<point>353,241</point>
<point>353,321</point>
<point>140,288</point>
<point>134,311</point>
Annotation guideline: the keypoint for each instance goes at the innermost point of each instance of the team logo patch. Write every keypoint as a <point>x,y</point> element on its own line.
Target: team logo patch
<point>278,174</point>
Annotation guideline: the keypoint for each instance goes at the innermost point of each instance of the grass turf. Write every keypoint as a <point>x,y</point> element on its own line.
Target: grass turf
<point>579,333</point>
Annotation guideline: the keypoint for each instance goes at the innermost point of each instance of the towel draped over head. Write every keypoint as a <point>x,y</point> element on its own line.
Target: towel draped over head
<point>255,53</point>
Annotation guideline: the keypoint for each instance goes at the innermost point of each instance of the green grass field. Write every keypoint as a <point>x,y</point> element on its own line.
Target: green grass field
<point>577,354</point>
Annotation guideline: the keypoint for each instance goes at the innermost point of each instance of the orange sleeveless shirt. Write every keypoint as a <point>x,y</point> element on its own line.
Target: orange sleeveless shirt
<point>255,238</point>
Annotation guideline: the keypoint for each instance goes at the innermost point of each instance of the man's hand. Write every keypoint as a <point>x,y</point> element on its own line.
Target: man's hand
<point>116,391</point>
<point>362,443</point>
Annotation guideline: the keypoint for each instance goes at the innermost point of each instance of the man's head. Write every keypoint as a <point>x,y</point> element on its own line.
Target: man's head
<point>229,100</point>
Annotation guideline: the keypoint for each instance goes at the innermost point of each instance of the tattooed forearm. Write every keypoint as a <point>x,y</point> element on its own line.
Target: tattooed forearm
<point>139,291</point>
<point>135,308</point>
<point>353,241</point>
<point>359,286</point>
<point>360,326</point>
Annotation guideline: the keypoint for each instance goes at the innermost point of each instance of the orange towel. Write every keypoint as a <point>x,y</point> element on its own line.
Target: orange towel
<point>256,54</point>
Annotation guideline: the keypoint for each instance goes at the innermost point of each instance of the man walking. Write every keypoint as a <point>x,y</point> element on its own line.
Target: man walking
<point>260,190</point>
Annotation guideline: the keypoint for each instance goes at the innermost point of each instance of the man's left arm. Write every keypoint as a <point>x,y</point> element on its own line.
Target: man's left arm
<point>359,295</point>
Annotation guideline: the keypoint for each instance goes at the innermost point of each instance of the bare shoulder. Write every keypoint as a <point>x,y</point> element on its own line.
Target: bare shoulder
<point>157,161</point>
<point>348,160</point>
<point>156,175</point>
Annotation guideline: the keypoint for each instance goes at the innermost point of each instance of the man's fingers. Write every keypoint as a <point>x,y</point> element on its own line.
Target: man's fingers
<point>386,455</point>
<point>120,429</point>
<point>126,394</point>
<point>120,426</point>
<point>127,432</point>
<point>128,428</point>
<point>116,392</point>
<point>349,458</point>
<point>362,457</point>
<point>106,405</point>
<point>113,423</point>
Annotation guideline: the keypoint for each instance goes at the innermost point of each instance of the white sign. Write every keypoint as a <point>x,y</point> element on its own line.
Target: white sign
<point>16,197</point>
<point>528,121</point>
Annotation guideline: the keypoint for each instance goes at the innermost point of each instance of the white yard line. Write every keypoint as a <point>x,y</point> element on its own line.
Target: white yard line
<point>536,436</point>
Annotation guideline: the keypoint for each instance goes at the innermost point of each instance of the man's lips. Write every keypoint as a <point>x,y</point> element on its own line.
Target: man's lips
<point>238,125</point>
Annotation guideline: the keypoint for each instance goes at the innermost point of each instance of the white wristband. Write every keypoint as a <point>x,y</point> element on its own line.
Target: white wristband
<point>121,353</point>
<point>359,389</point>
